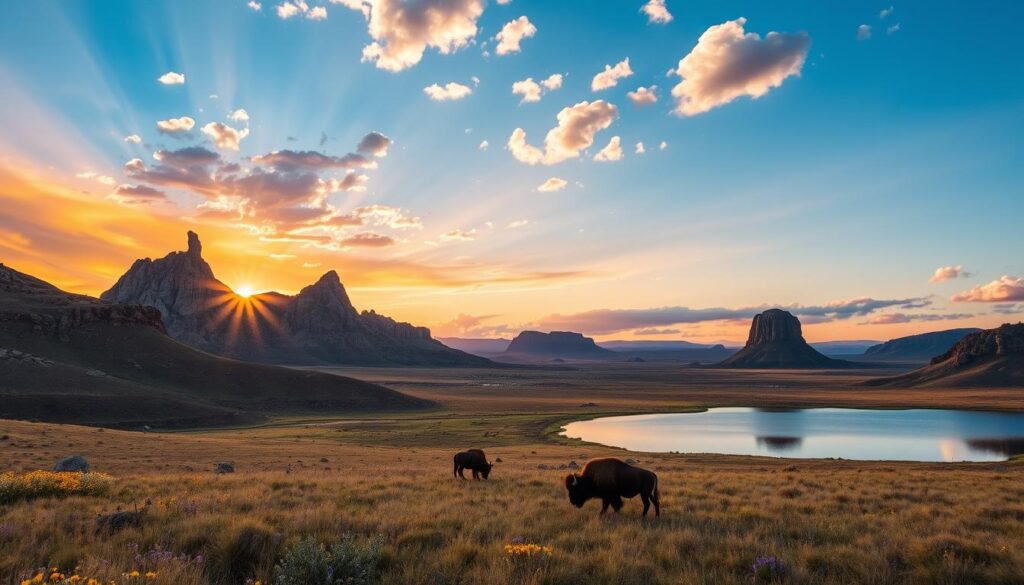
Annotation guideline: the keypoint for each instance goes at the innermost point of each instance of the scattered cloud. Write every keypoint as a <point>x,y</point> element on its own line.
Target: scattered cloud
<point>472,326</point>
<point>663,145</point>
<point>863,32</point>
<point>239,115</point>
<point>643,96</point>
<point>367,240</point>
<point>898,318</point>
<point>172,78</point>
<point>450,91</point>
<point>553,184</point>
<point>606,321</point>
<point>133,138</point>
<point>402,31</point>
<point>136,194</point>
<point>655,331</point>
<point>577,126</point>
<point>610,153</point>
<point>255,5</point>
<point>459,236</point>
<point>484,145</point>
<point>1008,308</point>
<point>512,34</point>
<point>639,148</point>
<point>102,179</point>
<point>513,225</point>
<point>317,13</point>
<point>949,273</point>
<point>657,12</point>
<point>225,136</point>
<point>893,29</point>
<point>886,12</point>
<point>532,91</point>
<point>287,10</point>
<point>290,160</point>
<point>611,75</point>
<point>728,63</point>
<point>1002,290</point>
<point>553,81</point>
<point>374,144</point>
<point>175,125</point>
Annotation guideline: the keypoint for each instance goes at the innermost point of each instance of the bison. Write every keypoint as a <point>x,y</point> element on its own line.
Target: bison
<point>474,460</point>
<point>611,480</point>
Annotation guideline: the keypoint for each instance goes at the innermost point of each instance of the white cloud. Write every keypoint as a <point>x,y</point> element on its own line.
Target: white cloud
<point>287,10</point>
<point>610,153</point>
<point>484,145</point>
<point>450,91</point>
<point>255,5</point>
<point>863,32</point>
<point>528,88</point>
<point>133,138</point>
<point>639,148</point>
<point>611,75</point>
<point>317,13</point>
<point>728,63</point>
<point>886,12</point>
<point>239,115</point>
<point>374,143</point>
<point>663,145</point>
<point>403,30</point>
<point>225,136</point>
<point>458,236</point>
<point>532,91</point>
<point>949,273</point>
<point>1005,289</point>
<point>102,179</point>
<point>512,34</point>
<point>172,78</point>
<point>643,96</point>
<point>575,131</point>
<point>175,125</point>
<point>657,12</point>
<point>893,29</point>
<point>517,224</point>
<point>553,184</point>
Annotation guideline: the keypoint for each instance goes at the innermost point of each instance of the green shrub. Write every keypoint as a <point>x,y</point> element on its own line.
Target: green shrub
<point>349,562</point>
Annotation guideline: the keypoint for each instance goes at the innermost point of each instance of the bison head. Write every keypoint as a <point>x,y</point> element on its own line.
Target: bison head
<point>486,470</point>
<point>579,489</point>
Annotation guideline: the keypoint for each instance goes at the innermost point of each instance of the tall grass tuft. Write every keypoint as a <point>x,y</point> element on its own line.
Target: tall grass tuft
<point>348,562</point>
<point>49,484</point>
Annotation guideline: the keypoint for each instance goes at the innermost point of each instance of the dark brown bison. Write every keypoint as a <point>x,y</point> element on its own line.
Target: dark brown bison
<point>475,461</point>
<point>611,480</point>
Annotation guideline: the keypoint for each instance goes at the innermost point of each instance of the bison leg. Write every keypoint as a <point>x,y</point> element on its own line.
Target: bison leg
<point>657,503</point>
<point>604,506</point>
<point>461,472</point>
<point>616,504</point>
<point>646,499</point>
<point>476,475</point>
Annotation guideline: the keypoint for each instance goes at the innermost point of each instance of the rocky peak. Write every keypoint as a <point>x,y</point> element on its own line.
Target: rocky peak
<point>328,290</point>
<point>195,247</point>
<point>774,325</point>
<point>1004,340</point>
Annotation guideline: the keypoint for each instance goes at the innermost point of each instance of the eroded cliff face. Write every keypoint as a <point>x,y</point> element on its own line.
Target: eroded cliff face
<point>1005,340</point>
<point>774,325</point>
<point>776,341</point>
<point>47,309</point>
<point>319,325</point>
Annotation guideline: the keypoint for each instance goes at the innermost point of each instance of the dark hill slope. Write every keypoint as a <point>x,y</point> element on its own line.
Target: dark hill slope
<point>992,358</point>
<point>74,358</point>
<point>555,345</point>
<point>918,348</point>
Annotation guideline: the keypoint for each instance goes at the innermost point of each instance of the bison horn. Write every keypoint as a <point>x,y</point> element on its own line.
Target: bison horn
<point>574,480</point>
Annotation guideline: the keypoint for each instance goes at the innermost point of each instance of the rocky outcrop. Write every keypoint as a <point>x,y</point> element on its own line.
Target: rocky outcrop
<point>74,463</point>
<point>989,358</point>
<point>318,326</point>
<point>557,344</point>
<point>918,348</point>
<point>776,341</point>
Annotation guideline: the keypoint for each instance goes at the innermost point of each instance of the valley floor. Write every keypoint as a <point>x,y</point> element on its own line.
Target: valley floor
<point>829,521</point>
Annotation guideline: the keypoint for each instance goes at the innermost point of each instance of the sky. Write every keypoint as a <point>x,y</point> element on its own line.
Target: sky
<point>630,169</point>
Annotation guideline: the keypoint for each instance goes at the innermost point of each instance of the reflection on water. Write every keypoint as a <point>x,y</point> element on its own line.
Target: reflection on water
<point>912,435</point>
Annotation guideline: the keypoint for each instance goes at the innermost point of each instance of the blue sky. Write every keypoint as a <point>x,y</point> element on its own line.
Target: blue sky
<point>882,160</point>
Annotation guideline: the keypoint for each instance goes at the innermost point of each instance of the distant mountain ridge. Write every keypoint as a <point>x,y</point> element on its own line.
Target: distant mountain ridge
<point>988,358</point>
<point>77,359</point>
<point>922,347</point>
<point>776,341</point>
<point>318,326</point>
<point>556,345</point>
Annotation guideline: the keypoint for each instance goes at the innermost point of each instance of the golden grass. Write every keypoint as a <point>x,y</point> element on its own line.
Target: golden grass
<point>42,484</point>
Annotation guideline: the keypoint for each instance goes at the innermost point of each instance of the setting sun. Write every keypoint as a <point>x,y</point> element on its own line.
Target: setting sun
<point>244,291</point>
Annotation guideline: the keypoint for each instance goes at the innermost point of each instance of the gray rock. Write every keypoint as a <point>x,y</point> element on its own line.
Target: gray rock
<point>224,468</point>
<point>574,465</point>
<point>96,373</point>
<point>542,466</point>
<point>632,461</point>
<point>72,463</point>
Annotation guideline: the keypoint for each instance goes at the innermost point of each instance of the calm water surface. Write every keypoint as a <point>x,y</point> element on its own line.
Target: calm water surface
<point>904,435</point>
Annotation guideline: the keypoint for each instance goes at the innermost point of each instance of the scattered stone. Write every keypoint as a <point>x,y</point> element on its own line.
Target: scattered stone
<point>632,461</point>
<point>573,465</point>
<point>96,373</point>
<point>118,520</point>
<point>223,468</point>
<point>323,460</point>
<point>498,460</point>
<point>72,463</point>
<point>543,466</point>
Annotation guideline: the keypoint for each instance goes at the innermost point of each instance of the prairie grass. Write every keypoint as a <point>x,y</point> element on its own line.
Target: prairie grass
<point>845,523</point>
<point>41,484</point>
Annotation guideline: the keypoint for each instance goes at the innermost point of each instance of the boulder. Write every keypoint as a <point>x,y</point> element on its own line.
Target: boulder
<point>223,468</point>
<point>72,463</point>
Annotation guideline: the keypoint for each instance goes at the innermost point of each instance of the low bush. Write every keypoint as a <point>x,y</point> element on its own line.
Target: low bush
<point>349,562</point>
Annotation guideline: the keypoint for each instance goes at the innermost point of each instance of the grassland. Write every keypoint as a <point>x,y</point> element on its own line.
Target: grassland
<point>830,521</point>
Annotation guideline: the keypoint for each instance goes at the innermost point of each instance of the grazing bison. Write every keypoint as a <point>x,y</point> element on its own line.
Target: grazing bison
<point>475,461</point>
<point>611,480</point>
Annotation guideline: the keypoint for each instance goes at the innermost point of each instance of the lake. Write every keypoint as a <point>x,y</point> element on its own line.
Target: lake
<point>847,433</point>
